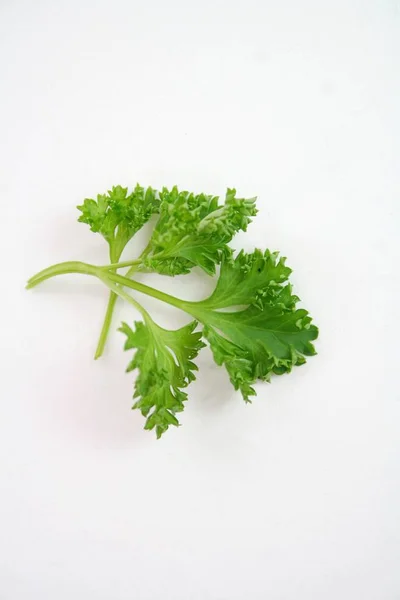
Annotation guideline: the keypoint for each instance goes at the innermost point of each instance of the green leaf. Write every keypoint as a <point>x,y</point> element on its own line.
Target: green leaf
<point>118,215</point>
<point>250,278</point>
<point>194,230</point>
<point>239,366</point>
<point>268,334</point>
<point>164,360</point>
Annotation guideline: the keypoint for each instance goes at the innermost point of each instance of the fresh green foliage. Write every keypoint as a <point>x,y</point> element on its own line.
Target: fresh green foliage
<point>195,230</point>
<point>118,215</point>
<point>267,334</point>
<point>255,278</point>
<point>251,320</point>
<point>164,360</point>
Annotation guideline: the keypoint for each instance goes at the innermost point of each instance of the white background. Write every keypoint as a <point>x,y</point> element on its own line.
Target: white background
<point>297,495</point>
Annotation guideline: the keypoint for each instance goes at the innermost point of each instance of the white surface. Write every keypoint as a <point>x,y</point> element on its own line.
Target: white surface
<point>296,496</point>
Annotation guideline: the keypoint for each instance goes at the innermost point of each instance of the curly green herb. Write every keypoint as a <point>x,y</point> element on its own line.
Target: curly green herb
<point>250,320</point>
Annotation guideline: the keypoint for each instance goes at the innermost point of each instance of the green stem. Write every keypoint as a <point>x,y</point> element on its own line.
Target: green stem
<point>137,263</point>
<point>134,265</point>
<point>119,291</point>
<point>72,266</point>
<point>154,293</point>
<point>132,270</point>
<point>120,265</point>
<point>106,325</point>
<point>115,283</point>
<point>115,254</point>
<point>111,304</point>
<point>107,279</point>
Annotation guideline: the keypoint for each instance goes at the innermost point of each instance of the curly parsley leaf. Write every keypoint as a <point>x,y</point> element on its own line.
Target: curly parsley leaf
<point>194,230</point>
<point>118,215</point>
<point>164,359</point>
<point>250,279</point>
<point>268,335</point>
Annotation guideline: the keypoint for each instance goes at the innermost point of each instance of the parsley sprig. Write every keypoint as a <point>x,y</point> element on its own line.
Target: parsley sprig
<point>250,321</point>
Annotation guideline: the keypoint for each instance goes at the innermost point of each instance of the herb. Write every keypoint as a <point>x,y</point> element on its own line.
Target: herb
<point>117,215</point>
<point>250,320</point>
<point>195,231</point>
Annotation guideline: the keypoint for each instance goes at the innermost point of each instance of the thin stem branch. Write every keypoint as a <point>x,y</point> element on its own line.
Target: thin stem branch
<point>106,325</point>
<point>62,269</point>
<point>149,291</point>
<point>119,291</point>
<point>115,254</point>
<point>114,282</point>
<point>131,271</point>
<point>120,265</point>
